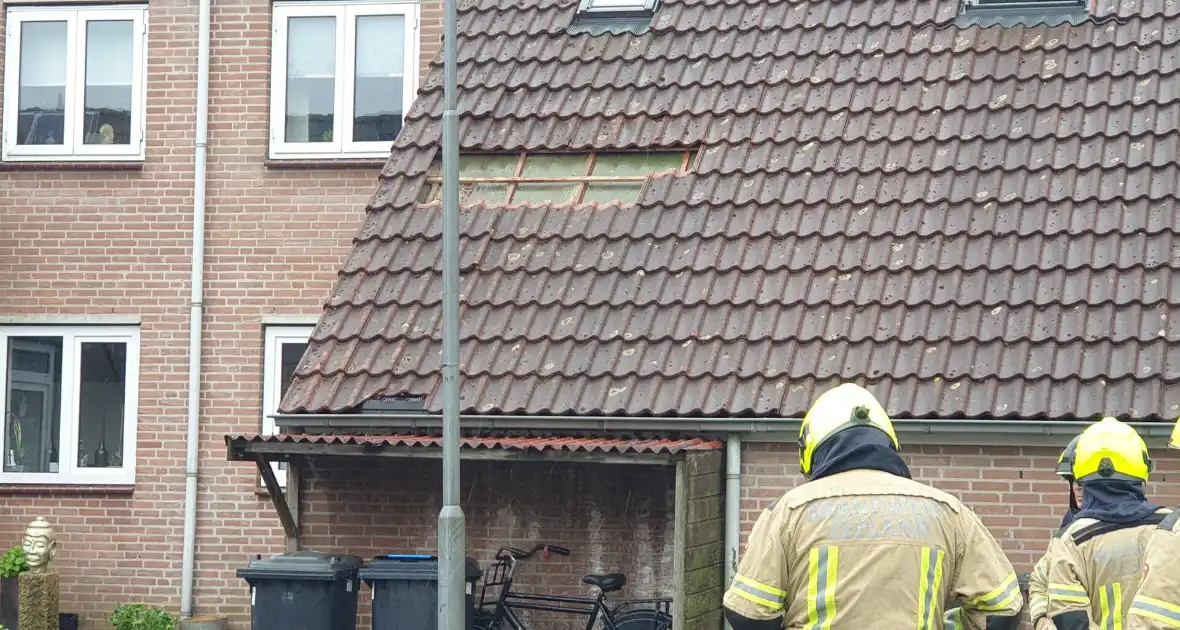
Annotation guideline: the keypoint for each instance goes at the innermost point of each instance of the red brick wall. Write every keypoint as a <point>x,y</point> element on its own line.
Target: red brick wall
<point>611,517</point>
<point>91,242</point>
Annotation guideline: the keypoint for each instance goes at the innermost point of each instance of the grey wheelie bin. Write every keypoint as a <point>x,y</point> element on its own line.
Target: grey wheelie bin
<point>405,591</point>
<point>304,590</point>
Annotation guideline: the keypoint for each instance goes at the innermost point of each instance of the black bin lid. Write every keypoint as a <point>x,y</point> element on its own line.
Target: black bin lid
<point>302,565</point>
<point>411,567</point>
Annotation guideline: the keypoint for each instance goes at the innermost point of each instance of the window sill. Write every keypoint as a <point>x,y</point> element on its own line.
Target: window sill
<point>61,488</point>
<point>325,163</point>
<point>67,165</point>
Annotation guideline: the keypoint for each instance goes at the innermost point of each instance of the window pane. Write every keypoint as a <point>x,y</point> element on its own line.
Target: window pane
<point>32,414</point>
<point>101,402</point>
<point>311,79</point>
<point>485,166</point>
<point>380,71</point>
<point>291,353</point>
<point>627,164</point>
<point>110,66</point>
<point>541,165</point>
<point>41,101</point>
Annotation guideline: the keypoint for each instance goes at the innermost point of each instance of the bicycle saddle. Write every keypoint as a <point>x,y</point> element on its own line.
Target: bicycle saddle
<point>607,583</point>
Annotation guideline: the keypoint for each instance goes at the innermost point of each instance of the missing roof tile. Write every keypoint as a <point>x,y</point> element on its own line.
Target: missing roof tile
<point>539,177</point>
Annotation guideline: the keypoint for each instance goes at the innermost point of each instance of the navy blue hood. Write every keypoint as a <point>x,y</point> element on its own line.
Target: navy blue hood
<point>858,448</point>
<point>1115,502</point>
<point>1072,512</point>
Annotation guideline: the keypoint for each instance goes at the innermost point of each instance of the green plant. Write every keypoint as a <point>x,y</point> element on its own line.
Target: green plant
<point>13,563</point>
<point>141,617</point>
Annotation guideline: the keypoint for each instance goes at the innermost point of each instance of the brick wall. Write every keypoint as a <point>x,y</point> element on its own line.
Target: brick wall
<point>612,518</point>
<point>95,241</point>
<point>1012,489</point>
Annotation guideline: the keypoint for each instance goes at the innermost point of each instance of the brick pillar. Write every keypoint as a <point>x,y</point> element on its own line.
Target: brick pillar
<point>700,569</point>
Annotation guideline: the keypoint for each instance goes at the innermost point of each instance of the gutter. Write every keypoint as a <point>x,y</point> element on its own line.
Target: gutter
<point>973,432</point>
<point>196,307</point>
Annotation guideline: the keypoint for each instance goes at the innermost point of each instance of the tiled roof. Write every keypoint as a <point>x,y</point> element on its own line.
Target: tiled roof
<point>975,222</point>
<point>572,444</point>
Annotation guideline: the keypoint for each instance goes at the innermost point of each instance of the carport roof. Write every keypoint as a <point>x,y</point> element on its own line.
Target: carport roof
<point>975,222</point>
<point>571,444</point>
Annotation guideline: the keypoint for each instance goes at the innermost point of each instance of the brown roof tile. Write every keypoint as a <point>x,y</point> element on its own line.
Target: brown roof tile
<point>976,222</point>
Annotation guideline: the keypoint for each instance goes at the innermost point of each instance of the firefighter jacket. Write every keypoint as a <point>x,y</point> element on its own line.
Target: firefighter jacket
<point>1095,568</point>
<point>1038,587</point>
<point>869,549</point>
<point>1156,605</point>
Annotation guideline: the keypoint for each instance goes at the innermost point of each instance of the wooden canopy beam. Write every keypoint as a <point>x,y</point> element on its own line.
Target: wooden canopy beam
<point>286,516</point>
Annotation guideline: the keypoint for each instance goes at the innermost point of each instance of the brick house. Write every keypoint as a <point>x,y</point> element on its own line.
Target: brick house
<point>971,209</point>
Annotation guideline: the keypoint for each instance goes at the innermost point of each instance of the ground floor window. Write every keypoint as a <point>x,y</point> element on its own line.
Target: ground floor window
<point>70,401</point>
<point>285,346</point>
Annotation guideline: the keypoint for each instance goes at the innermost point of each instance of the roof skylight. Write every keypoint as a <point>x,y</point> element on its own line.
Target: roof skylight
<point>1004,11</point>
<point>633,9</point>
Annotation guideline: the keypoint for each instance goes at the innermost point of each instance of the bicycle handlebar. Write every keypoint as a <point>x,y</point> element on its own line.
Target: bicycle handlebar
<point>513,553</point>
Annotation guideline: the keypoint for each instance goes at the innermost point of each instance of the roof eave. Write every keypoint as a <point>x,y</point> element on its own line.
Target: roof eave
<point>971,432</point>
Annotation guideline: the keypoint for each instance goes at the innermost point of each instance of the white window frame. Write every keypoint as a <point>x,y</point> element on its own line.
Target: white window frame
<point>74,148</point>
<point>345,13</point>
<point>272,380</point>
<point>72,339</point>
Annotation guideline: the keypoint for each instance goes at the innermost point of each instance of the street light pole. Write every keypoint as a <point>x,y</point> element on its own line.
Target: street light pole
<point>452,533</point>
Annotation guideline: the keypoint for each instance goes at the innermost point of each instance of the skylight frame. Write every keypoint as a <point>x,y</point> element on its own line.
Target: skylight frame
<point>972,8</point>
<point>617,8</point>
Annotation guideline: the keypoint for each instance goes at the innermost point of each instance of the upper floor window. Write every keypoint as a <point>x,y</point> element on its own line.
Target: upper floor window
<point>342,78</point>
<point>521,178</point>
<point>74,83</point>
<point>70,402</point>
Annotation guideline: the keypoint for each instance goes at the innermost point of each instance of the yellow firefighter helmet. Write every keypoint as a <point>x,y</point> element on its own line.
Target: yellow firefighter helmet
<point>1111,450</point>
<point>837,409</point>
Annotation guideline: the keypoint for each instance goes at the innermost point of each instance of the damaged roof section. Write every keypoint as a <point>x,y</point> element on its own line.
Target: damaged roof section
<point>974,222</point>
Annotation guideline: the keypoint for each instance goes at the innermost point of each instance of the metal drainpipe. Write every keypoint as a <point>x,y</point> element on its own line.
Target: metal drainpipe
<point>196,306</point>
<point>733,505</point>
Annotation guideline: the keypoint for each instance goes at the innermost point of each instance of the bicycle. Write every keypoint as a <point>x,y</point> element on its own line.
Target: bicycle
<point>500,614</point>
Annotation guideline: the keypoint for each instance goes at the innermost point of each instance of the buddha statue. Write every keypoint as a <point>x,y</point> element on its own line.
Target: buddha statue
<point>39,545</point>
<point>39,587</point>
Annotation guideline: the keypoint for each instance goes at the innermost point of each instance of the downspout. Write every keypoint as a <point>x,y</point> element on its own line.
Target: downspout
<point>733,505</point>
<point>196,306</point>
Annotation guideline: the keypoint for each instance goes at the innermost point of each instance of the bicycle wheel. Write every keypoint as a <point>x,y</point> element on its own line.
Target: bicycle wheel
<point>483,620</point>
<point>643,620</point>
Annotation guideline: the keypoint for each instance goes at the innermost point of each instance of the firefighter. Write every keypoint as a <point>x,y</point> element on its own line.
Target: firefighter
<point>1038,581</point>
<point>861,545</point>
<point>1156,605</point>
<point>1095,565</point>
